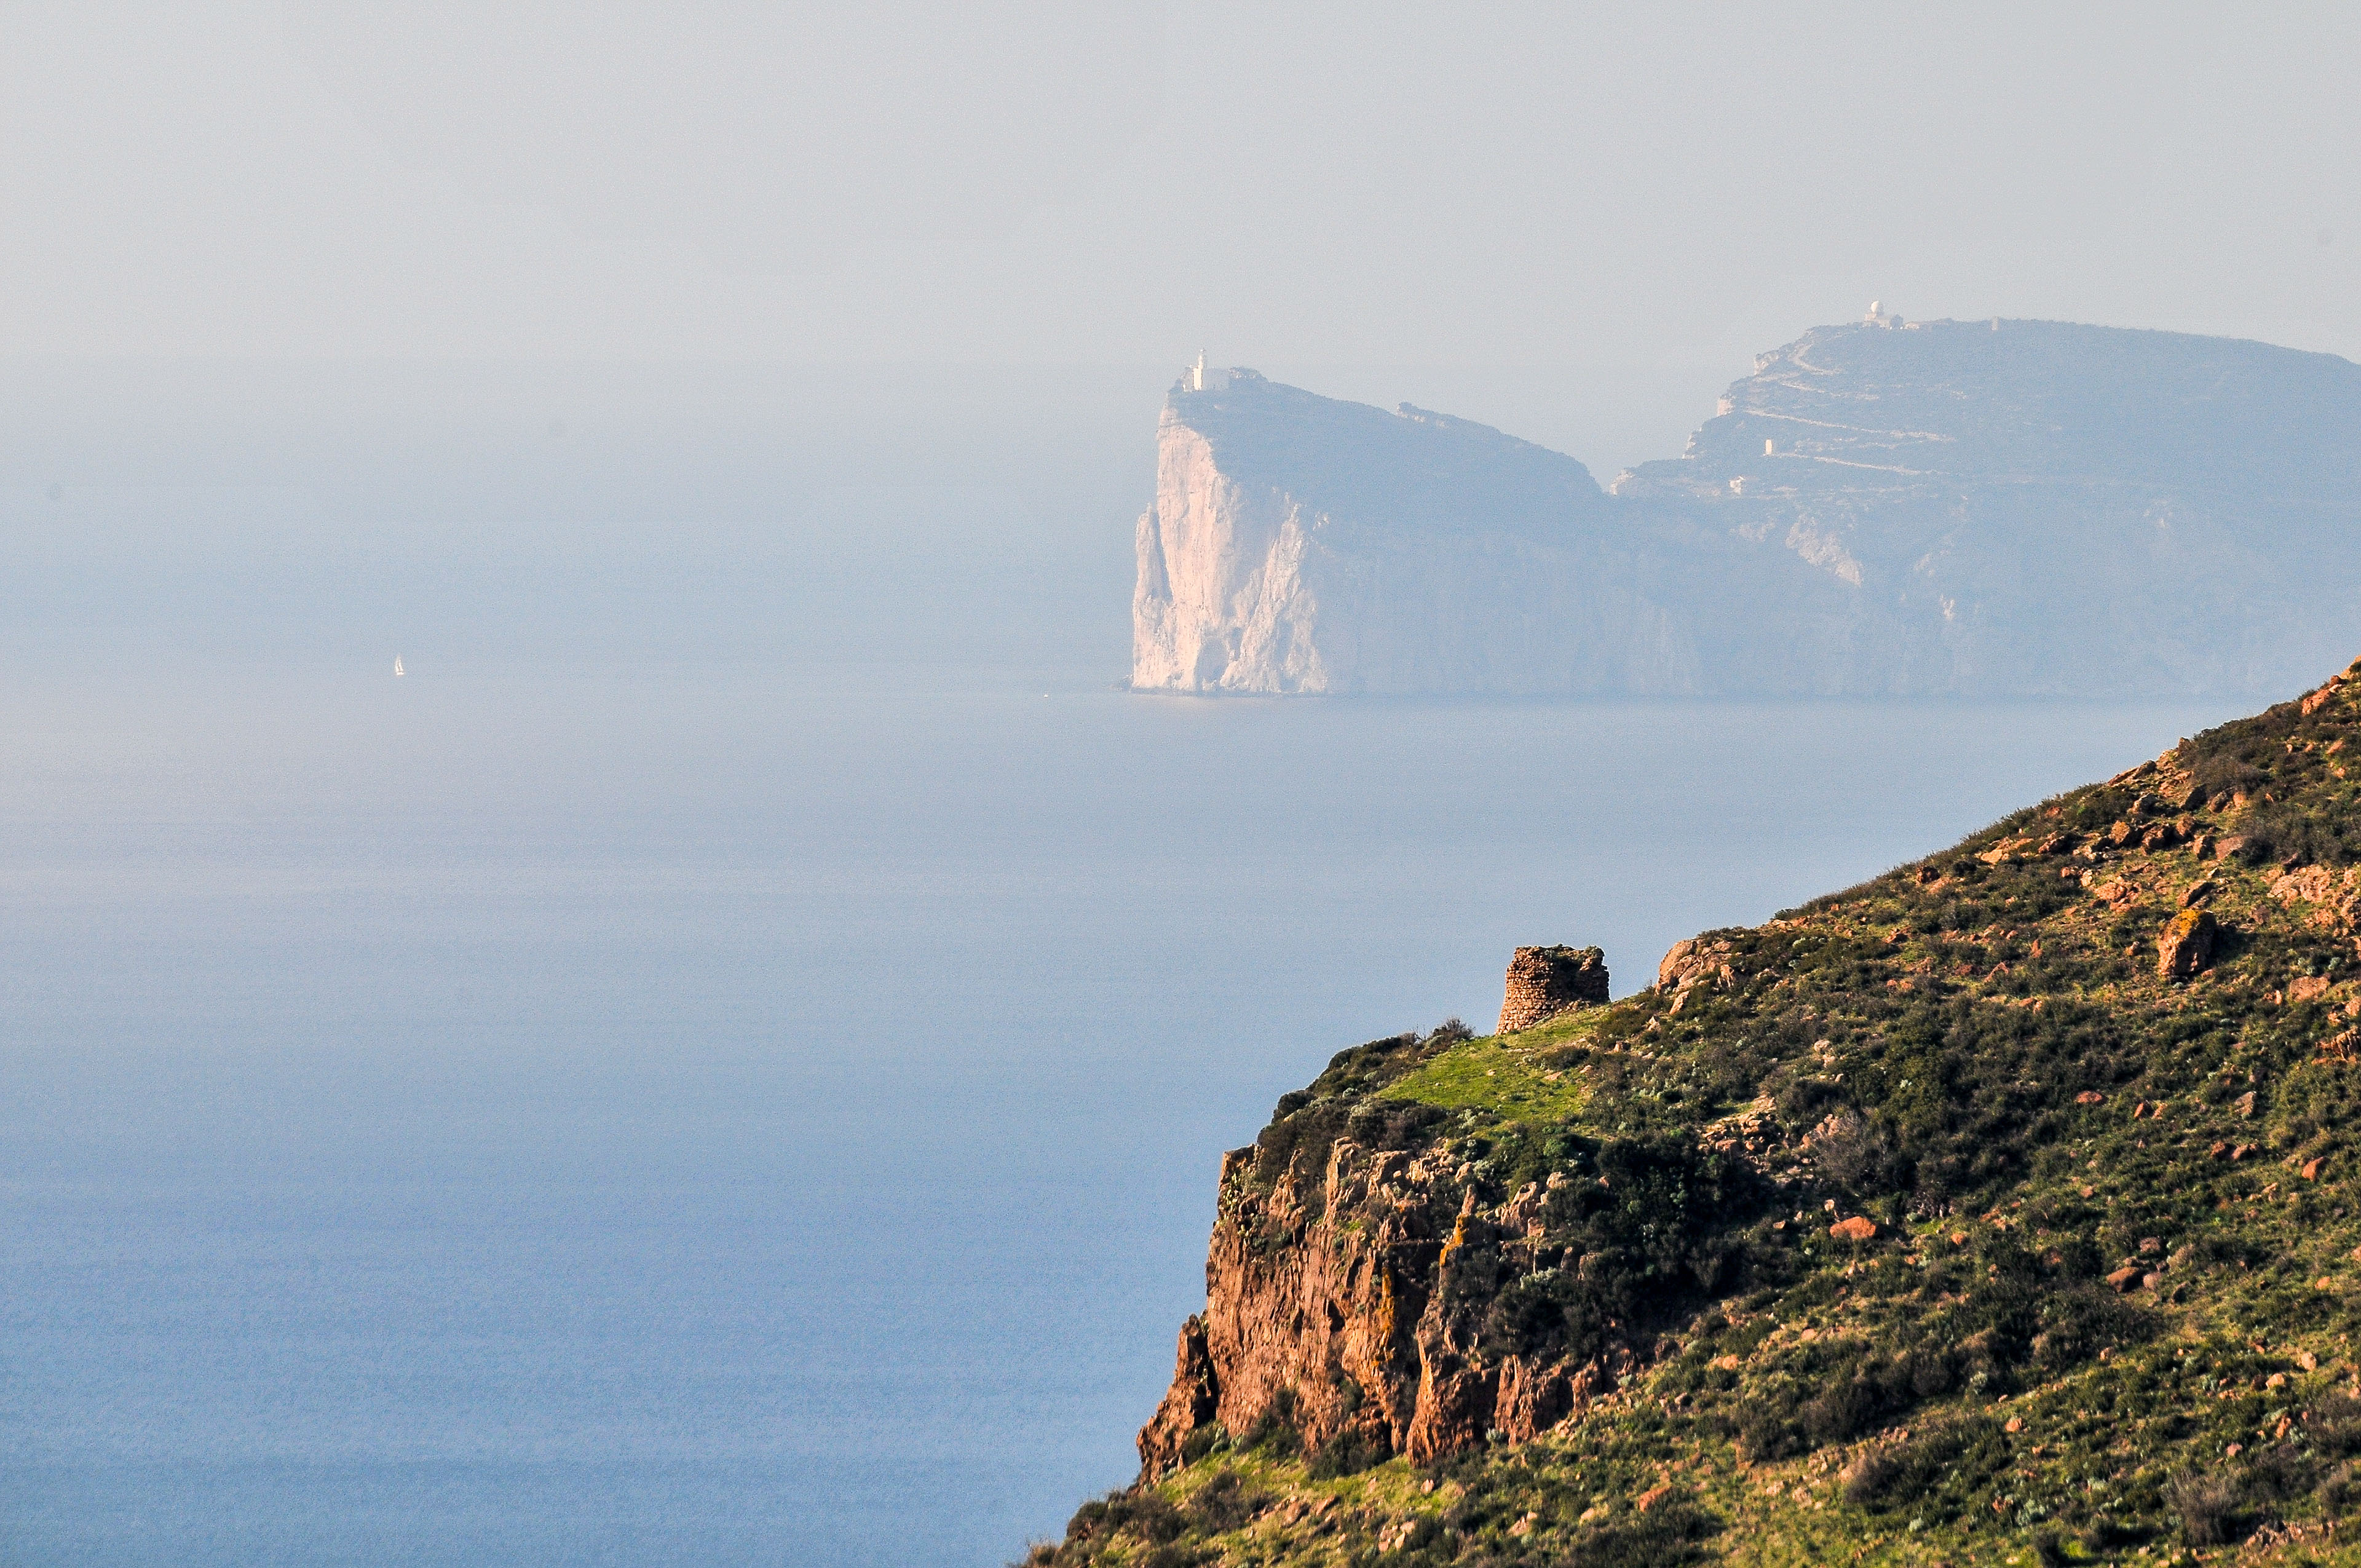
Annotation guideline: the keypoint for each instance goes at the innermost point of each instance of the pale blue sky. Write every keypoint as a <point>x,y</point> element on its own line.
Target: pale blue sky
<point>1577,222</point>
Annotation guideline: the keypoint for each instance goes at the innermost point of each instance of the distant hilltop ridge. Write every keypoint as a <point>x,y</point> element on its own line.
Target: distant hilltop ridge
<point>1889,508</point>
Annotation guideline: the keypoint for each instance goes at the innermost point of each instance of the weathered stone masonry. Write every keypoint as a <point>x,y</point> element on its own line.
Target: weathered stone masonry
<point>1546,981</point>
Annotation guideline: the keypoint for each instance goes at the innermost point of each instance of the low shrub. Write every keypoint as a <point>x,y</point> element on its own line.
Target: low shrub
<point>2340,1491</point>
<point>1350,1451</point>
<point>2210,1508</point>
<point>1902,1473</point>
<point>1649,1226</point>
<point>1277,1431</point>
<point>2080,1322</point>
<point>1149,1515</point>
<point>1225,1503</point>
<point>1671,1534</point>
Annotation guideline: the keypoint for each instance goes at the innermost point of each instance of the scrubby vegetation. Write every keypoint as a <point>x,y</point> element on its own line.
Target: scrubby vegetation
<point>1957,1224</point>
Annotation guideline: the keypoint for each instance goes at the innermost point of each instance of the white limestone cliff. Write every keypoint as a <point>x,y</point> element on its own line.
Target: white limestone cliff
<point>1299,545</point>
<point>1970,509</point>
<point>1221,603</point>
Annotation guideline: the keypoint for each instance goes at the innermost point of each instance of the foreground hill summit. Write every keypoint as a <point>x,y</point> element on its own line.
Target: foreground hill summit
<point>2005,1208</point>
<point>2003,508</point>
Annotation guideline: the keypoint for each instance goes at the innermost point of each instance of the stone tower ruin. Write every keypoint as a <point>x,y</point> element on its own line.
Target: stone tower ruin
<point>1546,981</point>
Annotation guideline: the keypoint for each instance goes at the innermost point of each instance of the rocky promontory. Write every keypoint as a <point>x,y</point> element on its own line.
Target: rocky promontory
<point>1998,1209</point>
<point>1300,545</point>
<point>1890,507</point>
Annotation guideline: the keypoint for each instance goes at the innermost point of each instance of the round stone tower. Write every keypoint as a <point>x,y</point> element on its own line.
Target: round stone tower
<point>1546,981</point>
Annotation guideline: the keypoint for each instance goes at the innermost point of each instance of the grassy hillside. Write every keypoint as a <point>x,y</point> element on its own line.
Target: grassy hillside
<point>1999,1210</point>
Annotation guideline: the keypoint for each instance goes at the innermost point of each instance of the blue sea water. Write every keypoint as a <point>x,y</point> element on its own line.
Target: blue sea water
<point>757,1110</point>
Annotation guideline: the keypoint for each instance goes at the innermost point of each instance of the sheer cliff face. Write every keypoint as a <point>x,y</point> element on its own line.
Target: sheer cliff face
<point>1349,1298</point>
<point>1299,545</point>
<point>1972,508</point>
<point>1222,604</point>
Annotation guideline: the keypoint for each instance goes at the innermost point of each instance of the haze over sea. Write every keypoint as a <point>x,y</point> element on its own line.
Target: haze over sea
<point>725,1060</point>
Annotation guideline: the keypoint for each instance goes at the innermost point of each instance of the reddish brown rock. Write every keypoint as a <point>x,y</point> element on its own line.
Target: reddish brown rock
<point>1545,981</point>
<point>1354,1286</point>
<point>1337,1302</point>
<point>1532,1396</point>
<point>1702,962</point>
<point>2126,1278</point>
<point>1191,1401</point>
<point>2186,946</point>
<point>1860,1228</point>
<point>2329,900</point>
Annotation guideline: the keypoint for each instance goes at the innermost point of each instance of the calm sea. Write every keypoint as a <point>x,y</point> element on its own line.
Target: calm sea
<point>752,1111</point>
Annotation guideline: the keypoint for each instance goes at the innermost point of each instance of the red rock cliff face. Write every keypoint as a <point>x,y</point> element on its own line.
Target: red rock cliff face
<point>1359,1282</point>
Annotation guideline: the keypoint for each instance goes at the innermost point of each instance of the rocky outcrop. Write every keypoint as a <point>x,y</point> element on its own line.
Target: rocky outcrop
<point>2329,896</point>
<point>1349,1293</point>
<point>1545,981</point>
<point>1191,1401</point>
<point>2186,945</point>
<point>1692,962</point>
<point>1983,507</point>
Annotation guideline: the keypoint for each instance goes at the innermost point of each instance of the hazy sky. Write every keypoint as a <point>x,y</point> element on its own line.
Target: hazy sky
<point>1597,214</point>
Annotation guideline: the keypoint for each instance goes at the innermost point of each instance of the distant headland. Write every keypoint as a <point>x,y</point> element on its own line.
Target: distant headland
<point>1985,508</point>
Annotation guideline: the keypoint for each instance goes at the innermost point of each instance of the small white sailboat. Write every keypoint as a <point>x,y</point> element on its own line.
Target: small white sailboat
<point>397,664</point>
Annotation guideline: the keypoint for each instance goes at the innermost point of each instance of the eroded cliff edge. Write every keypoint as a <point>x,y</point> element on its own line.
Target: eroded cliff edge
<point>2002,1208</point>
<point>1376,1287</point>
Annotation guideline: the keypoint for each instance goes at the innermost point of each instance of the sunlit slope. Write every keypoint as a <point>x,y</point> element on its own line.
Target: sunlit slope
<point>1997,1209</point>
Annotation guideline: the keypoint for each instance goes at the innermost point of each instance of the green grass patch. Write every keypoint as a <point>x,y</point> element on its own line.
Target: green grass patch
<point>1509,1074</point>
